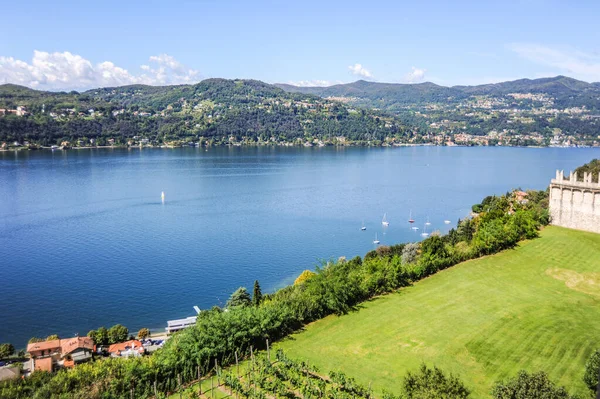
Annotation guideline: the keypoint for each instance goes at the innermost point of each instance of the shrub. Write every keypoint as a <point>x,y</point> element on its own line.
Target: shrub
<point>529,386</point>
<point>592,369</point>
<point>433,384</point>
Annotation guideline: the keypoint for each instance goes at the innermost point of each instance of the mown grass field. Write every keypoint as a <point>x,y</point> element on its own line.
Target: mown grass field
<point>536,307</point>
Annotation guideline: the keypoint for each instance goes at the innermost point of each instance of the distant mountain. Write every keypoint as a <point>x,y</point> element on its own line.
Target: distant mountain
<point>566,91</point>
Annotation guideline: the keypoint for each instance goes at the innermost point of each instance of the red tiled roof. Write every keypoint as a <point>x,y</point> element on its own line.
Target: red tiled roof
<point>44,345</point>
<point>65,345</point>
<point>121,346</point>
<point>69,345</point>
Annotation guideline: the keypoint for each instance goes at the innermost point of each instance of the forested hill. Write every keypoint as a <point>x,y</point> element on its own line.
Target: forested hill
<point>565,91</point>
<point>214,110</point>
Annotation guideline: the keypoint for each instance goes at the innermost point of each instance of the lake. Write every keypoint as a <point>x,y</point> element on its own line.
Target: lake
<point>86,241</point>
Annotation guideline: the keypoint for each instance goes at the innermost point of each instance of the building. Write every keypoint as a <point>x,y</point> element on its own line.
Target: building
<point>50,355</point>
<point>180,324</point>
<point>575,204</point>
<point>127,349</point>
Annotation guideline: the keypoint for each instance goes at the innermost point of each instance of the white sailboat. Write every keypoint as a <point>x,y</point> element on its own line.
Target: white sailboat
<point>363,228</point>
<point>446,221</point>
<point>425,234</point>
<point>162,196</point>
<point>376,241</point>
<point>427,223</point>
<point>415,228</point>
<point>384,220</point>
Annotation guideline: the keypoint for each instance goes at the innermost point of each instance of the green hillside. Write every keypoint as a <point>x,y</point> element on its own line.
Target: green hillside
<point>214,111</point>
<point>534,308</point>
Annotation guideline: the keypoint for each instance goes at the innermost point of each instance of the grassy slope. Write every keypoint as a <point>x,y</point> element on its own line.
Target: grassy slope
<point>483,320</point>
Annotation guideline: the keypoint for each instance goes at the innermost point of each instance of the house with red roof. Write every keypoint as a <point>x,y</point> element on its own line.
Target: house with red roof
<point>127,349</point>
<point>53,354</point>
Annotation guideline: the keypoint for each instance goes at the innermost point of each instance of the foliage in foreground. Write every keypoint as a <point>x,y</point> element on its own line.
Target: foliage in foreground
<point>530,386</point>
<point>334,288</point>
<point>592,371</point>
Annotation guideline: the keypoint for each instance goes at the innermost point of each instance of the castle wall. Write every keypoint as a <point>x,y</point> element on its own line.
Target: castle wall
<point>575,204</point>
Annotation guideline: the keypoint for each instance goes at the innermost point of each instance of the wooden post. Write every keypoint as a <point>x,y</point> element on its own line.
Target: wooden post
<point>212,392</point>
<point>268,351</point>
<point>131,392</point>
<point>155,391</point>
<point>217,371</point>
<point>237,364</point>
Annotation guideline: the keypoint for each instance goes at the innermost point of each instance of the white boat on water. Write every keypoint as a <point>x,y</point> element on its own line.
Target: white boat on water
<point>376,241</point>
<point>410,219</point>
<point>446,222</point>
<point>384,221</point>
<point>415,228</point>
<point>427,223</point>
<point>363,228</point>
<point>425,234</point>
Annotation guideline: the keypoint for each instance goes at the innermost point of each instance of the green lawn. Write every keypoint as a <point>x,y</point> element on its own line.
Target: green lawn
<point>536,307</point>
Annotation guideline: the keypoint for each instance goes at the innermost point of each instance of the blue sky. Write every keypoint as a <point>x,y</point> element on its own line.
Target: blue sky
<point>68,44</point>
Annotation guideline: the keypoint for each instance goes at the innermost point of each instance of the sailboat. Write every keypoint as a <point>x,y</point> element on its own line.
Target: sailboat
<point>384,221</point>
<point>427,223</point>
<point>410,219</point>
<point>415,228</point>
<point>446,221</point>
<point>425,233</point>
<point>162,196</point>
<point>376,241</point>
<point>363,228</point>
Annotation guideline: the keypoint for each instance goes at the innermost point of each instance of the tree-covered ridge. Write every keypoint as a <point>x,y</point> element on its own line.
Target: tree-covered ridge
<point>592,167</point>
<point>214,111</point>
<point>549,111</point>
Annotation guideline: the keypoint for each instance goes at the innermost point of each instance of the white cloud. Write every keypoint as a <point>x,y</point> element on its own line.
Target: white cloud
<point>359,70</point>
<point>415,75</point>
<point>574,63</point>
<point>67,71</point>
<point>313,83</point>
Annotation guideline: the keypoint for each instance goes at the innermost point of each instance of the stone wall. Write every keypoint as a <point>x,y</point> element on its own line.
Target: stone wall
<point>575,204</point>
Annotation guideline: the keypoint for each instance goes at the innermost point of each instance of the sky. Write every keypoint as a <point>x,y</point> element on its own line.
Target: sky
<point>74,45</point>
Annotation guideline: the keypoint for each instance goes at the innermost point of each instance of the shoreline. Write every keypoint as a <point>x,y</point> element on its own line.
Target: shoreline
<point>399,145</point>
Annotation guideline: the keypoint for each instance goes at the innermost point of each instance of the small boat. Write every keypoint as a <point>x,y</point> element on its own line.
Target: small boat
<point>446,222</point>
<point>376,241</point>
<point>384,221</point>
<point>415,228</point>
<point>427,223</point>
<point>425,234</point>
<point>162,196</point>
<point>410,219</point>
<point>363,228</point>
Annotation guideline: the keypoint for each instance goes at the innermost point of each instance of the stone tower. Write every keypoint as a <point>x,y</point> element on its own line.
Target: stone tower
<point>575,204</point>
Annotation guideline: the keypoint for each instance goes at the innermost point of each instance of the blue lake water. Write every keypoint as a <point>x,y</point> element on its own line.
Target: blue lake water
<point>85,240</point>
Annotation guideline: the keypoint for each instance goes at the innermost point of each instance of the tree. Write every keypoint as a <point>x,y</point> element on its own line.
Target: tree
<point>117,333</point>
<point>433,384</point>
<point>529,386</point>
<point>592,369</point>
<point>52,337</point>
<point>33,340</point>
<point>6,350</point>
<point>409,253</point>
<point>101,336</point>
<point>240,297</point>
<point>143,333</point>
<point>304,276</point>
<point>256,294</point>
